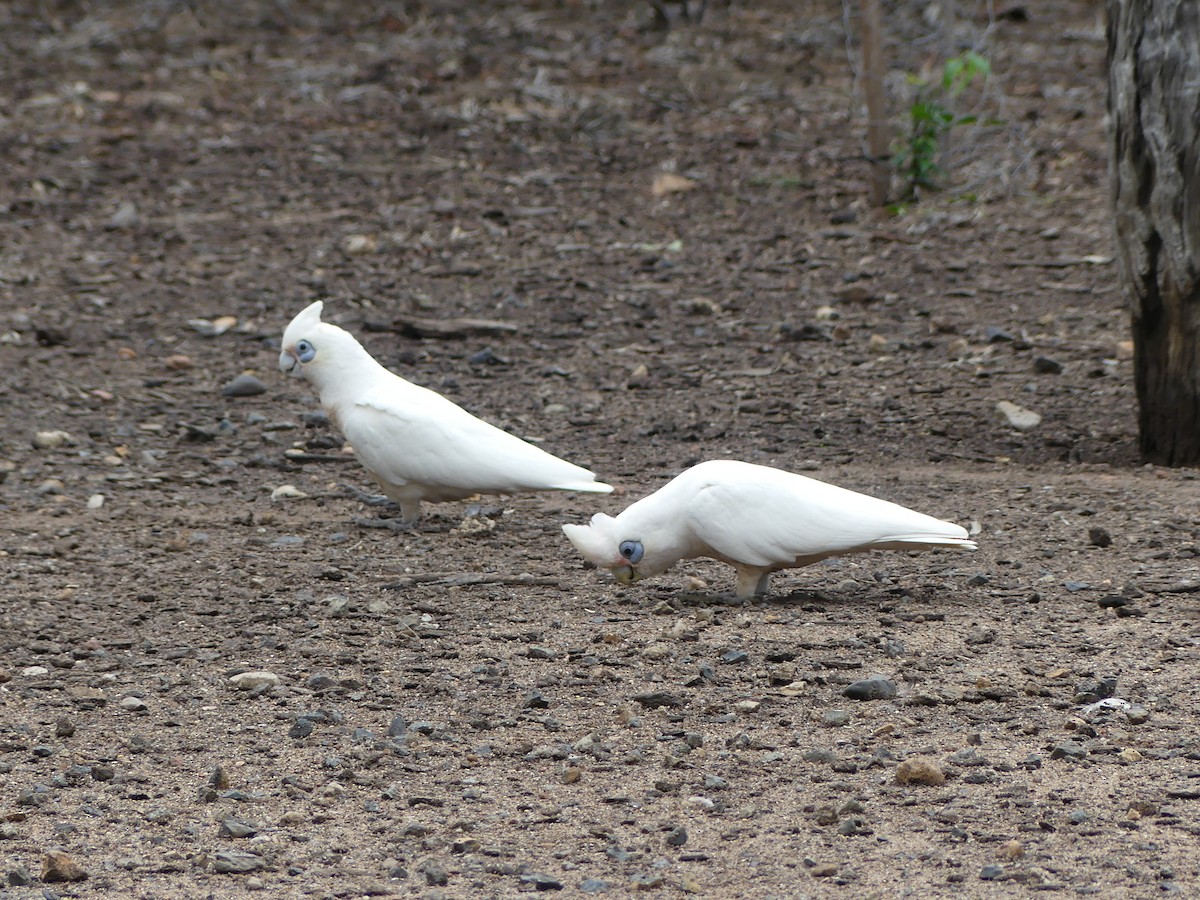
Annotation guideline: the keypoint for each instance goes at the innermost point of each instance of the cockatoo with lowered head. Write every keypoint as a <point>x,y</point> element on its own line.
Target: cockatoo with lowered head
<point>755,518</point>
<point>417,444</point>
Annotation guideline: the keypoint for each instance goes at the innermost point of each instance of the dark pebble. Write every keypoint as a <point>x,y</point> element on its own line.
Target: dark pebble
<point>1098,537</point>
<point>995,335</point>
<point>435,875</point>
<point>542,882</point>
<point>1044,365</point>
<point>677,836</point>
<point>991,873</point>
<point>593,885</point>
<point>398,727</point>
<point>317,419</point>
<point>657,699</point>
<point>535,700</point>
<point>1112,601</point>
<point>237,862</point>
<point>244,385</point>
<point>871,689</point>
<point>237,829</point>
<point>20,877</point>
<point>320,682</point>
<point>301,728</point>
<point>1068,750</point>
<point>733,657</point>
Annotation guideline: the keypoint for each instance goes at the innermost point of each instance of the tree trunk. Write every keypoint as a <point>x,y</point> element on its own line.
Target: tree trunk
<point>1154,171</point>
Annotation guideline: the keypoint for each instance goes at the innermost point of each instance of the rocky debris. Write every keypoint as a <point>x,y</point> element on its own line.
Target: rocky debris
<point>244,385</point>
<point>540,882</point>
<point>919,771</point>
<point>1099,537</point>
<point>287,492</point>
<point>1018,417</point>
<point>1044,365</point>
<point>51,440</point>
<point>237,862</point>
<point>58,866</point>
<point>254,681</point>
<point>874,688</point>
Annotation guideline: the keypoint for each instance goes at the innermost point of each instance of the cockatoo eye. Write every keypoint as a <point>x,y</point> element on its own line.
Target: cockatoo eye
<point>305,351</point>
<point>632,551</point>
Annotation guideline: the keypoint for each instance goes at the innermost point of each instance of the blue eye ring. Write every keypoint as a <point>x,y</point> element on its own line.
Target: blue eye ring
<point>633,551</point>
<point>305,351</point>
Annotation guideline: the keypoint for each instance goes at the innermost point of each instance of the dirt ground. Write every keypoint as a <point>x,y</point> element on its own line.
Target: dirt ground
<point>437,724</point>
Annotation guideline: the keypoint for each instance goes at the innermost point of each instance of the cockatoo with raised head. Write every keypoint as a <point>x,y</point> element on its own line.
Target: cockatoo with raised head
<point>417,444</point>
<point>755,518</point>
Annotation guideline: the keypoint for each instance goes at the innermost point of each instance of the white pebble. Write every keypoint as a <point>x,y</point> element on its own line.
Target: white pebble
<point>287,492</point>
<point>49,440</point>
<point>1018,417</point>
<point>34,671</point>
<point>133,704</point>
<point>249,681</point>
<point>95,501</point>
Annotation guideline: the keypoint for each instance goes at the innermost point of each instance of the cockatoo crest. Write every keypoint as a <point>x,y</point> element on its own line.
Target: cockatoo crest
<point>596,541</point>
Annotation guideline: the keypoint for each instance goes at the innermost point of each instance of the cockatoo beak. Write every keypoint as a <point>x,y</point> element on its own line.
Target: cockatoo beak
<point>625,574</point>
<point>289,365</point>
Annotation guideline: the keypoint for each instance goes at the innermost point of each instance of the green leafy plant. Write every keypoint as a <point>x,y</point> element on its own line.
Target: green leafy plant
<point>931,118</point>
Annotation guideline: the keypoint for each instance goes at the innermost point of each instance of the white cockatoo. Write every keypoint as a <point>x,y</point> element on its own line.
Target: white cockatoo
<point>755,518</point>
<point>417,444</point>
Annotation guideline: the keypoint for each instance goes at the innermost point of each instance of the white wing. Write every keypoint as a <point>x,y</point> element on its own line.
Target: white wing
<point>784,518</point>
<point>408,434</point>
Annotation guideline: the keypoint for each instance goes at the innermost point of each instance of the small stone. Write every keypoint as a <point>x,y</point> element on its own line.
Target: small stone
<point>1137,714</point>
<point>103,772</point>
<point>20,877</point>
<point>287,492</point>
<point>245,385</point>
<point>359,244</point>
<point>593,885</point>
<point>301,728</point>
<point>58,866</point>
<point>823,870</point>
<point>133,704</point>
<point>1018,417</point>
<point>236,828</point>
<point>920,771</point>
<point>252,681</point>
<point>1129,755</point>
<point>1044,365</point>
<point>734,657</point>
<point>677,836</point>
<point>125,216</point>
<point>994,335</point>
<point>1068,750</point>
<point>542,882</point>
<point>51,440</point>
<point>435,875</point>
<point>657,699</point>
<point>1098,537</point>
<point>1010,850</point>
<point>219,779</point>
<point>875,688</point>
<point>34,671</point>
<point>237,862</point>
<point>178,363</point>
<point>835,718</point>
<point>991,872</point>
<point>86,696</point>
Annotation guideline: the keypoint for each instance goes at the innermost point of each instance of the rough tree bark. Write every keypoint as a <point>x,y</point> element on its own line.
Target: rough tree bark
<point>1154,171</point>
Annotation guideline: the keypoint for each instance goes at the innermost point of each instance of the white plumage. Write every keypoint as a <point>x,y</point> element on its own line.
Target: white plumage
<point>417,444</point>
<point>755,518</point>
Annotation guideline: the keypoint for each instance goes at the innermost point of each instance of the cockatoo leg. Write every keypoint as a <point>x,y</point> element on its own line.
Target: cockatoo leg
<point>751,581</point>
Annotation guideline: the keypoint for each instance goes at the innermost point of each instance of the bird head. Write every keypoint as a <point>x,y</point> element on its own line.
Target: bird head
<point>300,341</point>
<point>616,545</point>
